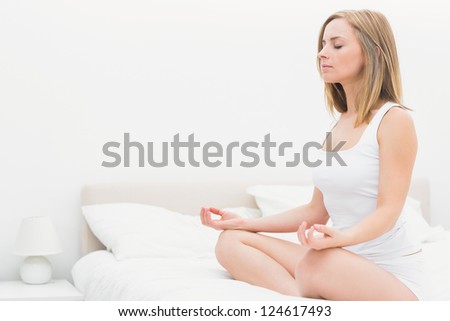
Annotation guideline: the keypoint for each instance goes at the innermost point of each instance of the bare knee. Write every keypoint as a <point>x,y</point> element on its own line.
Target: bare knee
<point>227,241</point>
<point>308,274</point>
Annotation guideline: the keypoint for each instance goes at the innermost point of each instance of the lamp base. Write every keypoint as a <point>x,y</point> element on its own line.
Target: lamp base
<point>36,270</point>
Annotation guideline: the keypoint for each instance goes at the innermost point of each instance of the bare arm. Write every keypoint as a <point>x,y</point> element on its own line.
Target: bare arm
<point>288,221</point>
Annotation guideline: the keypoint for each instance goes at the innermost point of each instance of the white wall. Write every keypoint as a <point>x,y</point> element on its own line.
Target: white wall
<point>77,74</point>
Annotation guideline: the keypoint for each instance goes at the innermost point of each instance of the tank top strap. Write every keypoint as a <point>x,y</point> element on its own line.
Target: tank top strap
<point>376,120</point>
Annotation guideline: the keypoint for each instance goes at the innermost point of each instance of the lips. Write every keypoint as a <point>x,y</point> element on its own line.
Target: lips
<point>324,68</point>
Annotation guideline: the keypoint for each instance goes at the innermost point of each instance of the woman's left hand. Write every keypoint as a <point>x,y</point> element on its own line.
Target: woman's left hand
<point>328,237</point>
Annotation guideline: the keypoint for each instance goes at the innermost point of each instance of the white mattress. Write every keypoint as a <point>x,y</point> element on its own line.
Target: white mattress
<point>101,277</point>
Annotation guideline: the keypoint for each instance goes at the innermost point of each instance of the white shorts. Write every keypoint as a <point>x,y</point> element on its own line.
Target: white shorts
<point>410,270</point>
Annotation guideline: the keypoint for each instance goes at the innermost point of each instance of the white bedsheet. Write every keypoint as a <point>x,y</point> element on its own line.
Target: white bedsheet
<point>437,258</point>
<point>101,277</point>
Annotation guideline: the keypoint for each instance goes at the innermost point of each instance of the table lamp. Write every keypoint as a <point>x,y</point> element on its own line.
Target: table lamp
<point>37,238</point>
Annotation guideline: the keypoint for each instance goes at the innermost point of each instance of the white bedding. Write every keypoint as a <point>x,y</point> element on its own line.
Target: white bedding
<point>101,277</point>
<point>437,258</point>
<point>160,254</point>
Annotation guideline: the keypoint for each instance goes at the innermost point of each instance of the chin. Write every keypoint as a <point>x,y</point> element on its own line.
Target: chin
<point>329,81</point>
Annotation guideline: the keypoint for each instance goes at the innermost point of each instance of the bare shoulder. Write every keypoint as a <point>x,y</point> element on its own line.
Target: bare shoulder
<point>395,120</point>
<point>397,123</point>
<point>398,113</point>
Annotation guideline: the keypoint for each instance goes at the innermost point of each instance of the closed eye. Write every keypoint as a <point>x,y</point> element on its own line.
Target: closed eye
<point>337,47</point>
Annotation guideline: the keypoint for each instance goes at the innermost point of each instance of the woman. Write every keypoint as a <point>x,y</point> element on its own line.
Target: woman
<point>366,254</point>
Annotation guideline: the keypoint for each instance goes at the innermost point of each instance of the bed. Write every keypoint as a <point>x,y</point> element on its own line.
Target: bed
<point>144,241</point>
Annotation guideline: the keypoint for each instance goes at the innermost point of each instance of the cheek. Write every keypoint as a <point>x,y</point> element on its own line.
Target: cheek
<point>354,63</point>
<point>358,60</point>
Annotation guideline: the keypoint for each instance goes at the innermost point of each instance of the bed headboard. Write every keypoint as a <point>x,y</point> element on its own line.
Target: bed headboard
<point>189,197</point>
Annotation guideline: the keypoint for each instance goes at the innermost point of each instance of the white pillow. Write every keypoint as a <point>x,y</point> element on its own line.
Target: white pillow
<point>245,212</point>
<point>273,199</point>
<point>416,225</point>
<point>133,230</point>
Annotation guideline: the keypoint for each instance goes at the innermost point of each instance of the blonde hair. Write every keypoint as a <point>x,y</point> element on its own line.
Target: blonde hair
<point>381,74</point>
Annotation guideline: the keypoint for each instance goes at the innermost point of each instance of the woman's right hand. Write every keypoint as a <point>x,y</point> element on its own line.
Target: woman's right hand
<point>227,221</point>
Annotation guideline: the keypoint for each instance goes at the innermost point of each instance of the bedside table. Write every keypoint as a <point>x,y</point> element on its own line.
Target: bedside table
<point>54,290</point>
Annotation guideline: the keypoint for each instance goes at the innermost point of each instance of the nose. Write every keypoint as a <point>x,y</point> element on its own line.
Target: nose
<point>322,54</point>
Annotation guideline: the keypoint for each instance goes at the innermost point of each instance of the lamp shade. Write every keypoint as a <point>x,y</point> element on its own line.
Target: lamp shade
<point>37,237</point>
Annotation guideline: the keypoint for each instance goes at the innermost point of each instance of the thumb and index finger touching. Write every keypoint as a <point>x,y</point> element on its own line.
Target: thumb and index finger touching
<point>205,214</point>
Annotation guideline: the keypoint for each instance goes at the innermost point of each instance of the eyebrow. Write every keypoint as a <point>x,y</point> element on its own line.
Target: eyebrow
<point>332,38</point>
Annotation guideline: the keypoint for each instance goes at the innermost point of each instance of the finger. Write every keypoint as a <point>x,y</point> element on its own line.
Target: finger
<point>215,224</point>
<point>202,215</point>
<point>325,241</point>
<point>216,211</point>
<point>299,231</point>
<point>324,229</point>
<point>311,233</point>
<point>205,216</point>
<point>208,218</point>
<point>301,234</point>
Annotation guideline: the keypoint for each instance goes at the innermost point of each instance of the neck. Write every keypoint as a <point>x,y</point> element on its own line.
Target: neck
<point>350,95</point>
<point>351,91</point>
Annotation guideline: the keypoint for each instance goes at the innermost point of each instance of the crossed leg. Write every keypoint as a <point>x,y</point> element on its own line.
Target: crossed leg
<point>338,274</point>
<point>260,260</point>
<point>292,269</point>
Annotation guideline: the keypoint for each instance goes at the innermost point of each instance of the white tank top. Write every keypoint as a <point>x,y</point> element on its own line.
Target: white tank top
<point>350,193</point>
